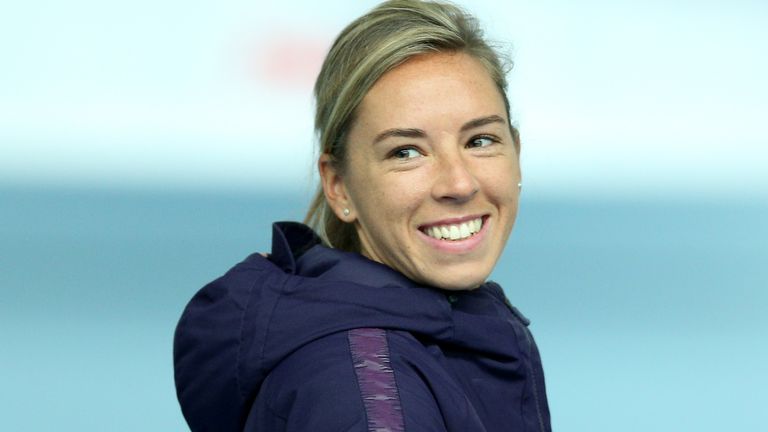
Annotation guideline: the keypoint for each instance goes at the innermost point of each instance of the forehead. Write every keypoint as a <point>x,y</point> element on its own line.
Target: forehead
<point>415,67</point>
<point>453,84</point>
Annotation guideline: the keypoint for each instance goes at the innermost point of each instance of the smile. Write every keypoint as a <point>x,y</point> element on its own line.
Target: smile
<point>455,232</point>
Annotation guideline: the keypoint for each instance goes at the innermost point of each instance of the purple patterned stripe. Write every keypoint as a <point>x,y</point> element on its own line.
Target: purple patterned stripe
<point>370,355</point>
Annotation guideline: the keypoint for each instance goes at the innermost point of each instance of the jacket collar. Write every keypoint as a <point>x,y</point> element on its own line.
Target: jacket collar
<point>290,240</point>
<point>472,319</point>
<point>298,250</point>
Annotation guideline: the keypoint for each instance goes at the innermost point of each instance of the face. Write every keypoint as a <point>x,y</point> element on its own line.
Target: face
<point>432,172</point>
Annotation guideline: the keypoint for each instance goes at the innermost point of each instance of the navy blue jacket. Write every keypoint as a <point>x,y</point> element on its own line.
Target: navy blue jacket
<point>317,339</point>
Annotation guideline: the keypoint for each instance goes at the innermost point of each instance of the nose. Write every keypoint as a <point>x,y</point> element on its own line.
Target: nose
<point>454,180</point>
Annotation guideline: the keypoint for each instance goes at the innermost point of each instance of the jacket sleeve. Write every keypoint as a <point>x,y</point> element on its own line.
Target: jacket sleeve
<point>320,388</point>
<point>312,389</point>
<point>210,384</point>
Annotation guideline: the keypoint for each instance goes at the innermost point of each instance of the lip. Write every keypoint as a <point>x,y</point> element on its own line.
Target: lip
<point>456,246</point>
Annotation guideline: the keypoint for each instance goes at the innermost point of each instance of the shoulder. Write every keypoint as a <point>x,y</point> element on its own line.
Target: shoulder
<point>207,343</point>
<point>314,388</point>
<point>350,380</point>
<point>238,282</point>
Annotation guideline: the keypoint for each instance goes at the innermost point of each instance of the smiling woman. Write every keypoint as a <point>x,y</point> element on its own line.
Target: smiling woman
<point>434,154</point>
<point>384,319</point>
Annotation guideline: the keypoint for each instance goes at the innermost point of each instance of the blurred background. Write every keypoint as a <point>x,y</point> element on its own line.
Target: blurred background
<point>145,147</point>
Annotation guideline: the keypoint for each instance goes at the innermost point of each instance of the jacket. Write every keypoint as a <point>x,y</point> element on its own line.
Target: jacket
<point>317,339</point>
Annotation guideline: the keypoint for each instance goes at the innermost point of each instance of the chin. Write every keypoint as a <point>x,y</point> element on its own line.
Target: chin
<point>459,282</point>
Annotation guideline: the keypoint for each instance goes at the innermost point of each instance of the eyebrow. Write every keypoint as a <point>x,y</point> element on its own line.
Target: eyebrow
<point>419,133</point>
<point>396,132</point>
<point>482,121</point>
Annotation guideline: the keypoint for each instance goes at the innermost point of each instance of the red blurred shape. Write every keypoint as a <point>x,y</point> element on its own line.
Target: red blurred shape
<point>292,61</point>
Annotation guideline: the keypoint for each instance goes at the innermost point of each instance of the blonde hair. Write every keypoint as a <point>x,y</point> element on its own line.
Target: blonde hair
<point>366,49</point>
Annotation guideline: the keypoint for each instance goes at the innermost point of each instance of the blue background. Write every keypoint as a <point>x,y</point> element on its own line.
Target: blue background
<point>649,315</point>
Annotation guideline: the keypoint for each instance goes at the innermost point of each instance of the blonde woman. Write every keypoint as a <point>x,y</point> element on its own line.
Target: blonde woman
<point>381,319</point>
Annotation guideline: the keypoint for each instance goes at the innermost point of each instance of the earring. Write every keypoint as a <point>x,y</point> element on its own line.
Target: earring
<point>346,212</point>
<point>520,186</point>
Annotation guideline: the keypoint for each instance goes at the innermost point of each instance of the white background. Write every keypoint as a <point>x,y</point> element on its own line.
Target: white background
<point>619,99</point>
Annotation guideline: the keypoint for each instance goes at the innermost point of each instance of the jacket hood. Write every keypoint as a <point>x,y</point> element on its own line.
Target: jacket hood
<point>325,291</point>
<point>242,325</point>
<point>345,290</point>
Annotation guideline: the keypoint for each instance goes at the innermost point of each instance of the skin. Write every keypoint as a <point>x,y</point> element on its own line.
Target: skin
<point>431,144</point>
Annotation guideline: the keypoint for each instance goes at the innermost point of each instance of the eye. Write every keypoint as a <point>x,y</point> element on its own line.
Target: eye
<point>482,141</point>
<point>405,153</point>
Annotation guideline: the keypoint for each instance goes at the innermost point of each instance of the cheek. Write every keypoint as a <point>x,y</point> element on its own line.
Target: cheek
<point>500,180</point>
<point>390,200</point>
<point>399,194</point>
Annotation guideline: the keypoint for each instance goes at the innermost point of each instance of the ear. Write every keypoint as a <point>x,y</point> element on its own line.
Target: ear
<point>335,190</point>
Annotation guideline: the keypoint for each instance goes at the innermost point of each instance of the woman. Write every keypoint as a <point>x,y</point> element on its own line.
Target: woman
<point>384,321</point>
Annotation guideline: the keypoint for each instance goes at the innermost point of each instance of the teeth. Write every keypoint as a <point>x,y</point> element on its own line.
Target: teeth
<point>455,232</point>
<point>444,232</point>
<point>436,233</point>
<point>464,229</point>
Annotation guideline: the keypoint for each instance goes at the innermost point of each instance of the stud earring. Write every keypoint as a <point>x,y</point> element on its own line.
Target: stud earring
<point>520,186</point>
<point>346,212</point>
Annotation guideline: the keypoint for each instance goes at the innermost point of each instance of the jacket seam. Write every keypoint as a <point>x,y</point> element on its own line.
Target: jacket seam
<point>387,335</point>
<point>274,412</point>
<point>238,377</point>
<point>534,380</point>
